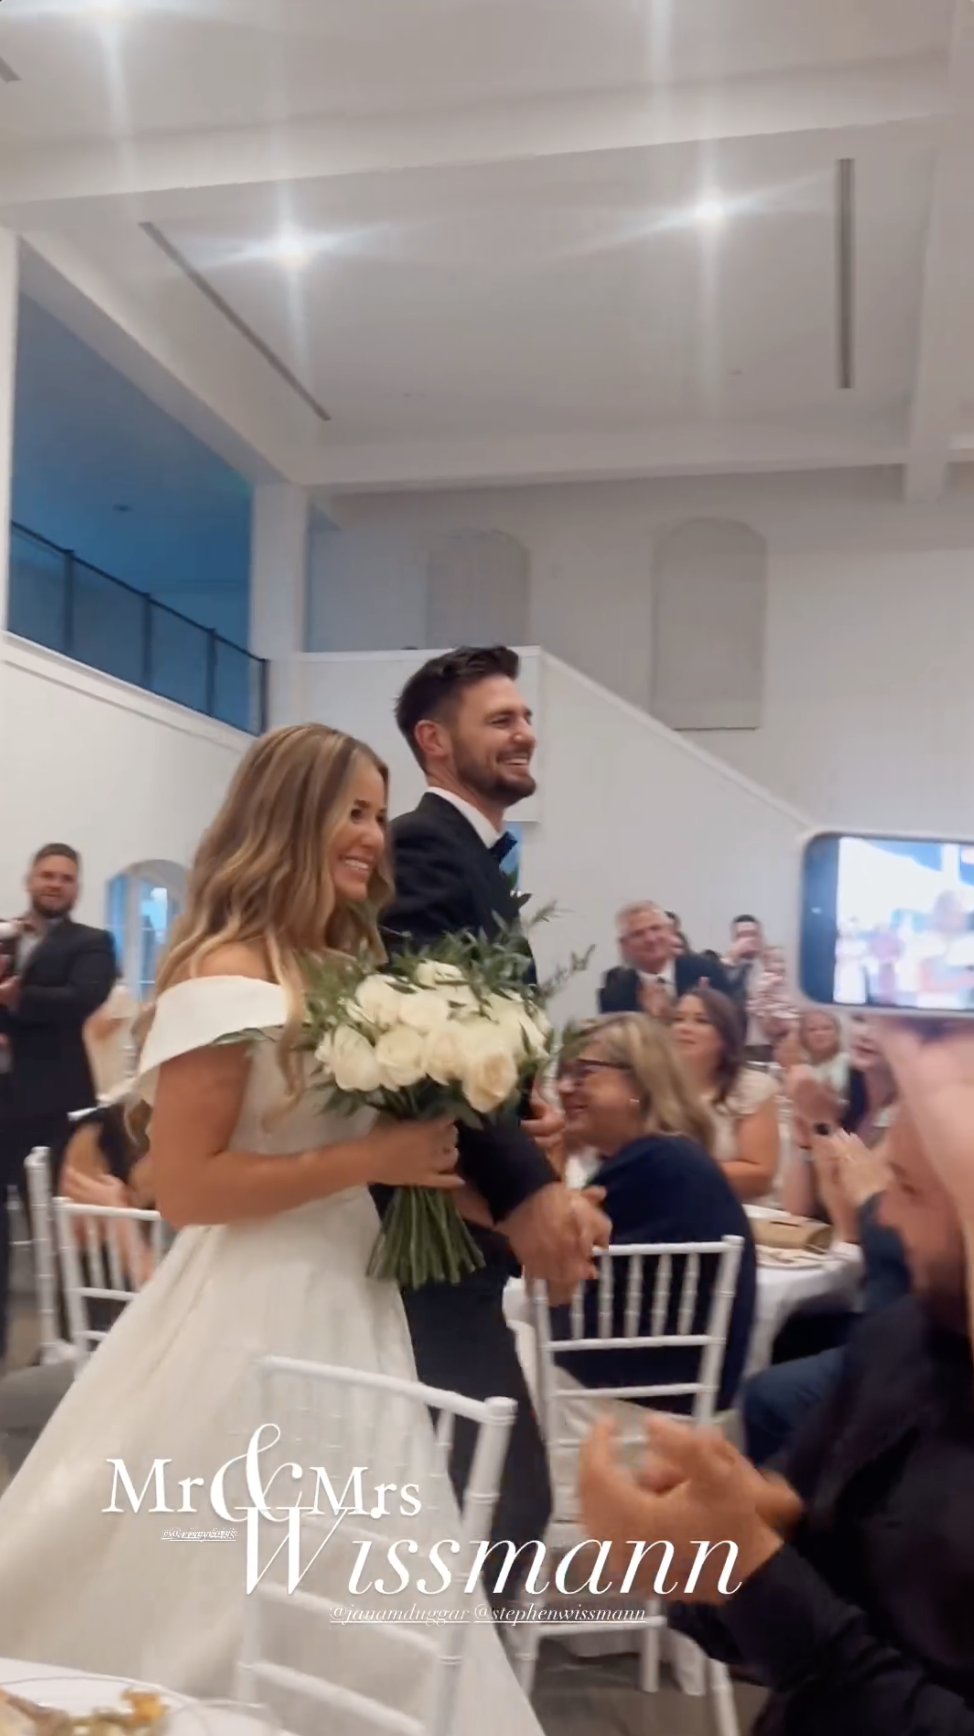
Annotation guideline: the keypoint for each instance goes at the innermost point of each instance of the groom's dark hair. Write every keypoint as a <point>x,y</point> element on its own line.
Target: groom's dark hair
<point>434,690</point>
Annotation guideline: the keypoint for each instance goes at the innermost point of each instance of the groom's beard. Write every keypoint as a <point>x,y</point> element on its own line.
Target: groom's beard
<point>495,787</point>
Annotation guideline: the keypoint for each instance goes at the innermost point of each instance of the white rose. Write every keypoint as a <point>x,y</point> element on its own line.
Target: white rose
<point>443,1054</point>
<point>354,1064</point>
<point>521,1025</point>
<point>430,974</point>
<point>379,1001</point>
<point>424,1011</point>
<point>399,1055</point>
<point>325,1052</point>
<point>490,1072</point>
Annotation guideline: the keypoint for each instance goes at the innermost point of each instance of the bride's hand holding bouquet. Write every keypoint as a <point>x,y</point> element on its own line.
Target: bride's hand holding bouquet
<point>452,1034</point>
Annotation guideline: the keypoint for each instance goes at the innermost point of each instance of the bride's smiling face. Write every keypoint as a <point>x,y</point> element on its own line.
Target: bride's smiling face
<point>358,843</point>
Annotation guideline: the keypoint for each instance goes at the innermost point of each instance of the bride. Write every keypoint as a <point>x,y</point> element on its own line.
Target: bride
<point>270,1194</point>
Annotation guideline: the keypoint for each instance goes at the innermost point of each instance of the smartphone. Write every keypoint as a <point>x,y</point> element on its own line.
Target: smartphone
<point>9,942</point>
<point>887,923</point>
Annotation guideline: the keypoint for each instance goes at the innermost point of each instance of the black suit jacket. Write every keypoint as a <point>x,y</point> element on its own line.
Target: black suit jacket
<point>861,1626</point>
<point>448,882</point>
<point>67,977</point>
<point>619,992</point>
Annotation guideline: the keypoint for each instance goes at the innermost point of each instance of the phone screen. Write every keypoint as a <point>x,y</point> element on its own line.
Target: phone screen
<point>888,922</point>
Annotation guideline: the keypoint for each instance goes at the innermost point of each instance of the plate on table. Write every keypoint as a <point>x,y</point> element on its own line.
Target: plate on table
<point>96,1705</point>
<point>792,1257</point>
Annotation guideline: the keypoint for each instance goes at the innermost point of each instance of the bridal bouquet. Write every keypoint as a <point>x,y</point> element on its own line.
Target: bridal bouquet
<point>451,1030</point>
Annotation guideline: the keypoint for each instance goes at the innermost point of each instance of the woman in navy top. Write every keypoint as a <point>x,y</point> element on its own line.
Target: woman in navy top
<point>629,1099</point>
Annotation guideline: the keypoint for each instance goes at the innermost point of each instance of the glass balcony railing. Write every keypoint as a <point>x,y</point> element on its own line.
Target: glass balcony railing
<point>58,600</point>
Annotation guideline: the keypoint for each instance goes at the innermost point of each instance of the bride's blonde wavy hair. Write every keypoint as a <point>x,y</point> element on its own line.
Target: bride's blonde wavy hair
<point>261,874</point>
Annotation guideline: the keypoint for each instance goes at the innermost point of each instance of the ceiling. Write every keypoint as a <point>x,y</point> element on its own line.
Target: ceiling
<point>541,239</point>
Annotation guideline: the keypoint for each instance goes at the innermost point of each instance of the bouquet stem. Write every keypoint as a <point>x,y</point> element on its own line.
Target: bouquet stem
<point>423,1240</point>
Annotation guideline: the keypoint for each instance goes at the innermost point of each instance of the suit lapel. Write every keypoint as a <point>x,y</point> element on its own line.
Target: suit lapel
<point>54,941</point>
<point>496,902</point>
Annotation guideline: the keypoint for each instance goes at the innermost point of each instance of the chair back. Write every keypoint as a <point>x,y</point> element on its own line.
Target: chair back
<point>38,1173</point>
<point>103,1253</point>
<point>647,1297</point>
<point>383,1423</point>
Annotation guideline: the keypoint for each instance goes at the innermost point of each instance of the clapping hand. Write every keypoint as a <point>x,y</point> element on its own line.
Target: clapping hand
<point>696,1486</point>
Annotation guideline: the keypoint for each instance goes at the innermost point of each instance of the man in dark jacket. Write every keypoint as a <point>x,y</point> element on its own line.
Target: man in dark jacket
<point>470,729</point>
<point>54,974</point>
<point>653,974</point>
<point>854,1572</point>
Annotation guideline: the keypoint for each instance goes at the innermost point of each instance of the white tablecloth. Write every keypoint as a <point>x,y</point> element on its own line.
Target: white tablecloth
<point>782,1289</point>
<point>69,1690</point>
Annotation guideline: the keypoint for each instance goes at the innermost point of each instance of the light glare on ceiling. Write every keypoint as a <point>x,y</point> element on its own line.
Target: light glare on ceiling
<point>710,212</point>
<point>293,251</point>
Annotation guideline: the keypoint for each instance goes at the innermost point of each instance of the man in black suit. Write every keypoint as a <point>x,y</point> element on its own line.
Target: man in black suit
<point>855,1561</point>
<point>54,973</point>
<point>471,731</point>
<point>654,974</point>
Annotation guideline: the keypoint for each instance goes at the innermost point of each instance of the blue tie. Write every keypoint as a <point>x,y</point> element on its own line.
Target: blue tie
<point>503,847</point>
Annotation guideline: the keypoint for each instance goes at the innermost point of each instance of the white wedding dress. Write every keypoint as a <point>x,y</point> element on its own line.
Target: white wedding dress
<point>106,1592</point>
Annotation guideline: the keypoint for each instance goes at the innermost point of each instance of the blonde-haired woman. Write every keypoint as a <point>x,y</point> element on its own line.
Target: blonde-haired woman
<point>275,1187</point>
<point>630,1100</point>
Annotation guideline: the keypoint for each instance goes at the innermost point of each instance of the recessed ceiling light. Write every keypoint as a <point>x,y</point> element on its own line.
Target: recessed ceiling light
<point>710,212</point>
<point>293,251</point>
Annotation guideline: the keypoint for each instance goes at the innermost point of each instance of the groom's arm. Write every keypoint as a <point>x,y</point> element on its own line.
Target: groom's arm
<point>433,899</point>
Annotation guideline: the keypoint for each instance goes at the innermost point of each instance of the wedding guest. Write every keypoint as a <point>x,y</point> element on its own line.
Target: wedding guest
<point>57,974</point>
<point>103,1163</point>
<point>108,1036</point>
<point>821,1037</point>
<point>628,1099</point>
<point>742,1102</point>
<point>742,967</point>
<point>851,1183</point>
<point>653,974</point>
<point>855,1566</point>
<point>867,1112</point>
<point>771,1003</point>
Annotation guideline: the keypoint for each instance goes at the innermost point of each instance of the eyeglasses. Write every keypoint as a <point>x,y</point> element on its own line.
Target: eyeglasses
<point>582,1070</point>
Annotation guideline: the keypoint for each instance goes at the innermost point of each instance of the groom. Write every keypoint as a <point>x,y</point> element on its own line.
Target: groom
<point>471,731</point>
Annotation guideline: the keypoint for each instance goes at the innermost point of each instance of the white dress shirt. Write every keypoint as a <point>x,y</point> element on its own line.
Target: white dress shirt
<point>485,830</point>
<point>665,978</point>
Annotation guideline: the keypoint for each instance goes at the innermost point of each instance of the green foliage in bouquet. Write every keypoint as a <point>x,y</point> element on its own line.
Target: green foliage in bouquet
<point>455,1029</point>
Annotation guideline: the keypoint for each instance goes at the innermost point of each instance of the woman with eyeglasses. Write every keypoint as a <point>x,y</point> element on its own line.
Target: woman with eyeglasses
<point>628,1099</point>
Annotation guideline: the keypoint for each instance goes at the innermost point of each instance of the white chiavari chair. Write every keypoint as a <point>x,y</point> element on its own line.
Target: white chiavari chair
<point>372,1420</point>
<point>53,1347</point>
<point>654,1300</point>
<point>105,1254</point>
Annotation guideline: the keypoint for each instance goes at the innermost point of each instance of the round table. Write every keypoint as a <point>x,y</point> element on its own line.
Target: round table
<point>76,1691</point>
<point>783,1288</point>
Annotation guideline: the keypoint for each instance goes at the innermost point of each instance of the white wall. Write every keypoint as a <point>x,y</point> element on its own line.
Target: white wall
<point>87,760</point>
<point>625,809</point>
<point>869,707</point>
